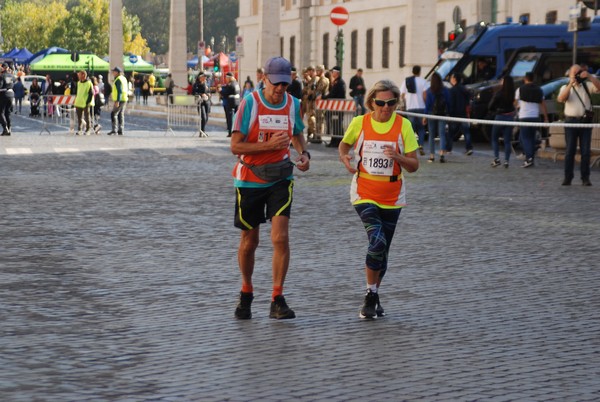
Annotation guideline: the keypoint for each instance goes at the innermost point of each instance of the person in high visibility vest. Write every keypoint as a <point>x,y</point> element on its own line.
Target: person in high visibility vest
<point>119,97</point>
<point>385,147</point>
<point>83,101</point>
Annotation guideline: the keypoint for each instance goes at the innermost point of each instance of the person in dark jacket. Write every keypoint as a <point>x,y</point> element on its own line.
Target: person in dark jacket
<point>531,104</point>
<point>19,90</point>
<point>437,100</point>
<point>295,88</point>
<point>338,86</point>
<point>337,90</point>
<point>357,92</point>
<point>230,95</point>
<point>200,89</point>
<point>7,94</point>
<point>502,105</point>
<point>459,102</point>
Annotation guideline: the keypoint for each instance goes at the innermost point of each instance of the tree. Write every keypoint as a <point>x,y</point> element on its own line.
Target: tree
<point>78,25</point>
<point>137,46</point>
<point>219,21</point>
<point>27,24</point>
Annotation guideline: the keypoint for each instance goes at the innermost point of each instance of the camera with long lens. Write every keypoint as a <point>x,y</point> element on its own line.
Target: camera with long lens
<point>579,78</point>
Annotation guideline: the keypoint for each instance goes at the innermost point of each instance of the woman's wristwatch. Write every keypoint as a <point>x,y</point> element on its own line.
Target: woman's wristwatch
<point>305,152</point>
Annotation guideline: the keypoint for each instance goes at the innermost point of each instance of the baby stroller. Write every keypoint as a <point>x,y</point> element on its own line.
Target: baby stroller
<point>35,105</point>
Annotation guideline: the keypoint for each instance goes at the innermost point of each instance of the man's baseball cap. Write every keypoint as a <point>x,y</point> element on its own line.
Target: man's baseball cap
<point>118,69</point>
<point>279,70</point>
<point>336,69</point>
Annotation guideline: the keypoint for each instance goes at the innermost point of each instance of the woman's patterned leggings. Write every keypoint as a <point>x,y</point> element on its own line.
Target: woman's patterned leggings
<point>380,225</point>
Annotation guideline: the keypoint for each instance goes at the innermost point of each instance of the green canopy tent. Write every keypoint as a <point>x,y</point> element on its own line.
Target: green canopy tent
<point>140,66</point>
<point>63,63</point>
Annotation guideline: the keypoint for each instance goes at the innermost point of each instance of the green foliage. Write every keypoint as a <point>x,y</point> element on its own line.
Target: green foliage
<point>219,22</point>
<point>81,25</point>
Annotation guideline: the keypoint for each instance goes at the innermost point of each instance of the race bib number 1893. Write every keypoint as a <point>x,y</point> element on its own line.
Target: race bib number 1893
<point>374,160</point>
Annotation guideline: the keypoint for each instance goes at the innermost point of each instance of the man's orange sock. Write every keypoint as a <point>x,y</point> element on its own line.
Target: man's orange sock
<point>247,288</point>
<point>277,291</point>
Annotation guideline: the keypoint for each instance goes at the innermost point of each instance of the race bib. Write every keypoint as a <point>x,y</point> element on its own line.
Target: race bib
<point>374,160</point>
<point>269,124</point>
<point>272,122</point>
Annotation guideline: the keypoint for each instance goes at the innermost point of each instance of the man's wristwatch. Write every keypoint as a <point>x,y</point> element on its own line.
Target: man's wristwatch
<point>305,152</point>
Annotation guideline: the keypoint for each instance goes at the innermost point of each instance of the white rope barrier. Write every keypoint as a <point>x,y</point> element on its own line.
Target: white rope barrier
<point>501,123</point>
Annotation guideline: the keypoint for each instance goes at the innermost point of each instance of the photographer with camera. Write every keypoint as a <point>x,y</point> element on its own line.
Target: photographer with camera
<point>578,109</point>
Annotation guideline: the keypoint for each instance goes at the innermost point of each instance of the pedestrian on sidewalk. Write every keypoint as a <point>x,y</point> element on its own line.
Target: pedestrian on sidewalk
<point>459,103</point>
<point>413,93</point>
<point>357,92</point>
<point>6,97</point>
<point>119,97</point>
<point>230,96</point>
<point>437,101</point>
<point>19,90</point>
<point>502,105</point>
<point>578,104</point>
<point>84,101</point>
<point>265,124</point>
<point>201,90</point>
<point>531,104</point>
<point>384,147</point>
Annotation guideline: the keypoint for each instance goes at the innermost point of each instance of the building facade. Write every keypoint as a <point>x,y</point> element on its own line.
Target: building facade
<point>385,38</point>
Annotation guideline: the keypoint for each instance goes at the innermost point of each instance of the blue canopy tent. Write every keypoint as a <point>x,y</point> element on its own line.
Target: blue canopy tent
<point>22,56</point>
<point>194,62</point>
<point>45,52</point>
<point>8,55</point>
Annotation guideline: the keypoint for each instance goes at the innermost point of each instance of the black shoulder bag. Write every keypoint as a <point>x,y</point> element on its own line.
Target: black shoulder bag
<point>588,115</point>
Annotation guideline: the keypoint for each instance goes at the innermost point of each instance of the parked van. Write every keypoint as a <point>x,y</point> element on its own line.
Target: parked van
<point>483,54</point>
<point>491,47</point>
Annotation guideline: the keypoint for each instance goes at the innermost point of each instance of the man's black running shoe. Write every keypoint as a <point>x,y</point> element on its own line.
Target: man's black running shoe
<point>280,309</point>
<point>242,311</point>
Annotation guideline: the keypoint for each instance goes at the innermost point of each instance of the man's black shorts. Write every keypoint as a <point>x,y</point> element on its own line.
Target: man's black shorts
<point>254,206</point>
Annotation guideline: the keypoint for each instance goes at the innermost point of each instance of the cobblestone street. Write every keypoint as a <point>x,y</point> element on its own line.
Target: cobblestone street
<point>120,278</point>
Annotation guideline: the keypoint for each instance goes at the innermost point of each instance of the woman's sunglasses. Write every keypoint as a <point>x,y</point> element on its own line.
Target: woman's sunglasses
<point>382,103</point>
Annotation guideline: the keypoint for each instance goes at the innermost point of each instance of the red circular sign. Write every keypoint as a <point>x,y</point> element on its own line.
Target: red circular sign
<point>339,16</point>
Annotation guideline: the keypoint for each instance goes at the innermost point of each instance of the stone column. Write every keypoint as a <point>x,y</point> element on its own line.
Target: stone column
<point>269,45</point>
<point>305,33</point>
<point>421,44</point>
<point>115,52</point>
<point>178,44</point>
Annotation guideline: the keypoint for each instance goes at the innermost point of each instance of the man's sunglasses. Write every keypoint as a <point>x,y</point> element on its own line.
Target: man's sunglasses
<point>276,84</point>
<point>382,103</point>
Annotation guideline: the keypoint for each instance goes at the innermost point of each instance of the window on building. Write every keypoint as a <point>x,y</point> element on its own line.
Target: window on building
<point>254,7</point>
<point>354,50</point>
<point>385,48</point>
<point>551,17</point>
<point>281,45</point>
<point>326,49</point>
<point>369,61</point>
<point>402,46</point>
<point>293,50</point>
<point>441,34</point>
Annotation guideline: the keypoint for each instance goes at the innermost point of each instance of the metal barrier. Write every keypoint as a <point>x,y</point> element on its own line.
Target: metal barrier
<point>182,111</point>
<point>333,116</point>
<point>56,110</point>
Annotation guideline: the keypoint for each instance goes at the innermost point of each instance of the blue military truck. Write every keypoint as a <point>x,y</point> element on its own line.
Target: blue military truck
<point>483,54</point>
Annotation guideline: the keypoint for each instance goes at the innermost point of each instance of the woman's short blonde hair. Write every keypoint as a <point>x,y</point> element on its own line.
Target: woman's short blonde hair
<point>381,86</point>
